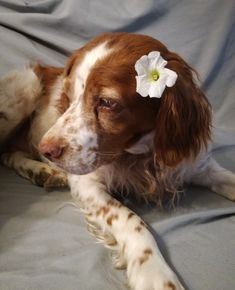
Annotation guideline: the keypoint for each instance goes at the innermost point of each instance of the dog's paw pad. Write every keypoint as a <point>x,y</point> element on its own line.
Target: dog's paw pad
<point>57,180</point>
<point>48,178</point>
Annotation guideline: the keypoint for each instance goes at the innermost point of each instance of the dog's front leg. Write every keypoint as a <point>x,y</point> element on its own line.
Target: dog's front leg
<point>123,231</point>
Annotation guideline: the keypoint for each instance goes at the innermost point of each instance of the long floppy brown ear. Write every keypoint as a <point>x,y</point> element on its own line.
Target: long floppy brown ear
<point>183,121</point>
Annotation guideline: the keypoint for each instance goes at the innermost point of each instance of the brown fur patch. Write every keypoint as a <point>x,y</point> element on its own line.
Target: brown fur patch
<point>113,243</point>
<point>138,228</point>
<point>147,252</point>
<point>183,123</point>
<point>63,103</point>
<point>114,203</point>
<point>143,259</point>
<point>103,210</point>
<point>48,76</point>
<point>111,218</point>
<point>143,224</point>
<point>130,215</point>
<point>170,285</point>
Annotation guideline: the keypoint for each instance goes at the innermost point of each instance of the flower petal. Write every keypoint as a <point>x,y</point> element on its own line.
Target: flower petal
<point>171,77</point>
<point>156,61</point>
<point>156,89</point>
<point>142,85</point>
<point>152,76</point>
<point>154,54</point>
<point>142,65</point>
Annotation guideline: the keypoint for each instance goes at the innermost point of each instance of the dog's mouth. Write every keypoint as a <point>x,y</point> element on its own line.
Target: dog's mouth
<point>76,165</point>
<point>80,160</point>
<point>77,169</point>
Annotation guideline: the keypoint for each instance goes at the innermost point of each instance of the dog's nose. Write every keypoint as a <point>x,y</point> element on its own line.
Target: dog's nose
<point>51,150</point>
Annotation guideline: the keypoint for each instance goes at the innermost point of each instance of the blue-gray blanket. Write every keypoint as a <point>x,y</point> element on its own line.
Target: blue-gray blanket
<point>44,244</point>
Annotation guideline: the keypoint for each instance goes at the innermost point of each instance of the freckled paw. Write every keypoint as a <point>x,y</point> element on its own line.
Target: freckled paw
<point>49,178</point>
<point>152,275</point>
<point>38,178</point>
<point>57,180</point>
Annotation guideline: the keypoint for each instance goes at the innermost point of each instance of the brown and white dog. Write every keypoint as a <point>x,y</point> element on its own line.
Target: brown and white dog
<point>88,120</point>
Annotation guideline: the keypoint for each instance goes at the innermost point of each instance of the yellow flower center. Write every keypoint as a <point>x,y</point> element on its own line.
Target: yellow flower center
<point>154,75</point>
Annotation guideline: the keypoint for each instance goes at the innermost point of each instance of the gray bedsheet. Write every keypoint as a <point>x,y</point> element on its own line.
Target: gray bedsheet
<point>44,244</point>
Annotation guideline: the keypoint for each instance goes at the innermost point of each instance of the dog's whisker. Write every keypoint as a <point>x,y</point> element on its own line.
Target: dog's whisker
<point>108,154</point>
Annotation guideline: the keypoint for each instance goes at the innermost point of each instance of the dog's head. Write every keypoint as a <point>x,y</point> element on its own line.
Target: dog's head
<point>108,118</point>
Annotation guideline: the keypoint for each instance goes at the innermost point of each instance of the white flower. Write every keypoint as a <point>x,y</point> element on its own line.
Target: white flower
<point>152,76</point>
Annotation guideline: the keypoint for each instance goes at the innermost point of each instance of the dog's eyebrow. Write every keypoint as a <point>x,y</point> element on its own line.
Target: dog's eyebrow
<point>110,92</point>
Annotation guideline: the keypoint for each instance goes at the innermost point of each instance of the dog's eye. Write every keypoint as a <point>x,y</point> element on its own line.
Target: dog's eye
<point>109,104</point>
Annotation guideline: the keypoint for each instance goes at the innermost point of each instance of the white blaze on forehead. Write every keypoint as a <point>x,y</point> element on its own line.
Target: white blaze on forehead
<point>86,65</point>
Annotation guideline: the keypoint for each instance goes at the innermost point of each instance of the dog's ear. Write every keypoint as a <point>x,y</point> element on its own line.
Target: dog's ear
<point>183,121</point>
<point>70,63</point>
<point>69,74</point>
